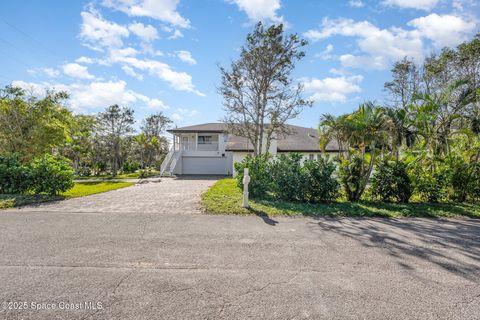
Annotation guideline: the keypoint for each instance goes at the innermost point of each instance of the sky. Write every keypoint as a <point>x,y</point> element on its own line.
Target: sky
<point>163,55</point>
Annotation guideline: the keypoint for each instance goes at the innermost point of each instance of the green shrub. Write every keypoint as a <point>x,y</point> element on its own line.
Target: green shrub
<point>391,182</point>
<point>465,182</point>
<point>259,172</point>
<point>288,179</point>
<point>354,176</point>
<point>460,181</point>
<point>83,172</point>
<point>286,173</point>
<point>319,183</point>
<point>312,181</point>
<point>130,167</point>
<point>50,175</point>
<point>430,183</point>
<point>473,190</point>
<point>14,177</point>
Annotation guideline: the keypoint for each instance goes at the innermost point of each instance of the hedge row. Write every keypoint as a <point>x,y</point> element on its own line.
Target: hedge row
<point>287,177</point>
<point>41,175</point>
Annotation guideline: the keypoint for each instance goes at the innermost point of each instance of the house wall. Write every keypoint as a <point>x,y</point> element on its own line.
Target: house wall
<point>194,161</point>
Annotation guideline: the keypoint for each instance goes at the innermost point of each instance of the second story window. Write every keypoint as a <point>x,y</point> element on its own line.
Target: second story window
<point>205,139</point>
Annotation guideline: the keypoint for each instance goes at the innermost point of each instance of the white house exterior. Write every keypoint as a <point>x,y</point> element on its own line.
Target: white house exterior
<point>207,149</point>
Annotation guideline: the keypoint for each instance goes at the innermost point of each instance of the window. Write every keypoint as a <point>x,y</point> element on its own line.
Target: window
<point>310,156</point>
<point>205,139</point>
<point>319,156</point>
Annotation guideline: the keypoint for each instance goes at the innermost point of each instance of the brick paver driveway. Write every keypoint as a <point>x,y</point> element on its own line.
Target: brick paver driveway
<point>167,195</point>
<point>147,252</point>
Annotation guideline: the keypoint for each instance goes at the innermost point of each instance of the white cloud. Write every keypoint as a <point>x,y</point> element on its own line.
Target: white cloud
<point>49,72</point>
<point>356,3</point>
<point>146,33</point>
<point>95,95</point>
<point>85,60</point>
<point>175,116</point>
<point>332,89</point>
<point>36,89</point>
<point>366,62</point>
<point>129,70</point>
<point>187,112</point>
<point>181,81</point>
<point>186,57</point>
<point>97,32</point>
<point>443,30</point>
<point>465,6</point>
<point>381,47</point>
<point>157,104</point>
<point>76,70</point>
<point>174,32</point>
<point>260,10</point>
<point>116,55</point>
<point>163,10</point>
<point>412,4</point>
<point>326,54</point>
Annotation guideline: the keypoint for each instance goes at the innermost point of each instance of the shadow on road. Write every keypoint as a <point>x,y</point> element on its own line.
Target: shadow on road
<point>264,216</point>
<point>454,245</point>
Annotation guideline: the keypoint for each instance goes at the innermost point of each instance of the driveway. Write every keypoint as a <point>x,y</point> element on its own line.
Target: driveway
<point>147,252</point>
<point>165,196</point>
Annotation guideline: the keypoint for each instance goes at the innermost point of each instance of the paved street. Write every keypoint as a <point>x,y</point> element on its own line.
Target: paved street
<point>148,252</point>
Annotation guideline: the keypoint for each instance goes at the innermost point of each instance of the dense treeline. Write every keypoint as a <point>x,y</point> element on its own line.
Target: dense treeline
<point>106,143</point>
<point>428,135</point>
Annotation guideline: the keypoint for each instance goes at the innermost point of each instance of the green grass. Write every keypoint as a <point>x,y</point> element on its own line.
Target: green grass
<point>133,175</point>
<point>80,189</point>
<point>226,198</point>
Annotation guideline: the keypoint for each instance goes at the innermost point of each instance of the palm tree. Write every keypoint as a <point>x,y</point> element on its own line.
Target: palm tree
<point>436,115</point>
<point>359,135</point>
<point>400,129</point>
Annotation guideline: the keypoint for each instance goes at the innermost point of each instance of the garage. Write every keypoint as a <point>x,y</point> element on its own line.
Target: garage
<point>207,165</point>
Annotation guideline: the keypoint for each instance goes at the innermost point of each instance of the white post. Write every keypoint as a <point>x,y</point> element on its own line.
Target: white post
<point>246,181</point>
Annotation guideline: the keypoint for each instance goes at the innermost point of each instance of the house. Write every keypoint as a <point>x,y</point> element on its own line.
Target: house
<point>208,148</point>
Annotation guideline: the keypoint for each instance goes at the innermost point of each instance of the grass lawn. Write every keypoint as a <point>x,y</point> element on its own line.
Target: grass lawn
<point>133,175</point>
<point>226,198</point>
<point>80,189</point>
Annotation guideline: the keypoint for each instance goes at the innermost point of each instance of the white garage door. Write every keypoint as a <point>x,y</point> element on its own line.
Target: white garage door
<point>206,165</point>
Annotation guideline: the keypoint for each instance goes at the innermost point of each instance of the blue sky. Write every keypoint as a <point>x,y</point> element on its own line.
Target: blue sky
<point>156,55</point>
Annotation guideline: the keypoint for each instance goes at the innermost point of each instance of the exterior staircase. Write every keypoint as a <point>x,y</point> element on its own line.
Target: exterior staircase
<point>170,162</point>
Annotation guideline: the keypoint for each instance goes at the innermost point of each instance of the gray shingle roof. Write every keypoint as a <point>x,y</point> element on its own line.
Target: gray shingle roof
<point>299,139</point>
<point>204,127</point>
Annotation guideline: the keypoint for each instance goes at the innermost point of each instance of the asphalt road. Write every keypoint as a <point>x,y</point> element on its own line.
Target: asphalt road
<point>188,265</point>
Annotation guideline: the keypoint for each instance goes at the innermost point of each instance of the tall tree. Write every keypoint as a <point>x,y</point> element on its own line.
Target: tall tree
<point>406,81</point>
<point>32,126</point>
<point>79,145</point>
<point>259,94</point>
<point>151,141</point>
<point>113,125</point>
<point>155,125</point>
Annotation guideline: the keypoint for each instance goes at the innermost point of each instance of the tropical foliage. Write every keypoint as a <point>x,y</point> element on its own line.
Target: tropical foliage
<point>46,174</point>
<point>31,127</point>
<point>288,177</point>
<point>430,129</point>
